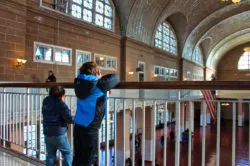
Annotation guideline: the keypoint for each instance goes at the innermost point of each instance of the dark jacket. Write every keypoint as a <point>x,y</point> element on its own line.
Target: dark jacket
<point>56,115</point>
<point>51,78</point>
<point>91,99</point>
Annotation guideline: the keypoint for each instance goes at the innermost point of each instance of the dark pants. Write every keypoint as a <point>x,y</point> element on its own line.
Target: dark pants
<point>85,146</point>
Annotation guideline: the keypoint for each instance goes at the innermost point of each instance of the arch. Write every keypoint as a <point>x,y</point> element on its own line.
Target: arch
<point>225,45</point>
<point>197,34</point>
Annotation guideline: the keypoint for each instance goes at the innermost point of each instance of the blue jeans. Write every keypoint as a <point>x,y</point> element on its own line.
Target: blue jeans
<point>62,144</point>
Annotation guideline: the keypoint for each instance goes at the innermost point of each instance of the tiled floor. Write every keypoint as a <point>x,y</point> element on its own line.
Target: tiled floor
<point>8,160</point>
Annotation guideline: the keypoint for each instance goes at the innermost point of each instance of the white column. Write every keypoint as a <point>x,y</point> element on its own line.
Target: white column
<point>240,114</point>
<point>182,119</point>
<point>201,116</point>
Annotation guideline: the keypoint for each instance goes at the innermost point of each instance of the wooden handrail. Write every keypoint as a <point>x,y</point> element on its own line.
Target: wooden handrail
<point>219,85</point>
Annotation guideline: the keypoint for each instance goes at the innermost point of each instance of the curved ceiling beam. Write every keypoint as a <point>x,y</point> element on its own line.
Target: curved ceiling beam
<point>225,45</point>
<point>208,23</point>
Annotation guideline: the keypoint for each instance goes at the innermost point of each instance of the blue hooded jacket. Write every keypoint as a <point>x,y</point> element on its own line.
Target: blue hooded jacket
<point>91,98</point>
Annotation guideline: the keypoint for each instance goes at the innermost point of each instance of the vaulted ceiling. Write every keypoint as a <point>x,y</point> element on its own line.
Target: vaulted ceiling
<point>208,24</point>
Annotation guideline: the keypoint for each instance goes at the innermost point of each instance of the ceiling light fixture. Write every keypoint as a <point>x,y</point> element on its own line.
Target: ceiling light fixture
<point>234,1</point>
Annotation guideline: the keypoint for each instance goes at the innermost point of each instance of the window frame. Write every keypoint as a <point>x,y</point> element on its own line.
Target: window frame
<point>81,51</point>
<point>171,29</point>
<point>105,61</point>
<point>69,14</point>
<point>53,47</point>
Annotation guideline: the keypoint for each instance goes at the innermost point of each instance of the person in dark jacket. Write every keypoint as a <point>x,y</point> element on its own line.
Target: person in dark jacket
<point>91,89</point>
<point>56,115</point>
<point>51,77</point>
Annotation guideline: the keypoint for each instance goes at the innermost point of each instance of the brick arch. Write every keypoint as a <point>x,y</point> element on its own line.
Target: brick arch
<point>198,33</point>
<point>225,45</point>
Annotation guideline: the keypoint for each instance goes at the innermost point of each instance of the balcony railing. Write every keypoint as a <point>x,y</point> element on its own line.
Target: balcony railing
<point>138,114</point>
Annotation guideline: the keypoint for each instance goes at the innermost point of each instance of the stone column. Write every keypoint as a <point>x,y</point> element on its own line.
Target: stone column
<point>240,114</point>
<point>122,137</point>
<point>149,135</point>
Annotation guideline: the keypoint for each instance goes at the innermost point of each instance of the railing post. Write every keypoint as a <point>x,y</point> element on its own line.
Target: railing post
<point>218,135</point>
<point>165,134</point>
<point>249,134</point>
<point>234,134</point>
<point>177,129</point>
<point>4,117</point>
<point>107,133</point>
<point>154,131</point>
<point>115,145</point>
<point>143,134</point>
<point>191,107</point>
<point>133,135</point>
<point>204,112</point>
<point>28,118</point>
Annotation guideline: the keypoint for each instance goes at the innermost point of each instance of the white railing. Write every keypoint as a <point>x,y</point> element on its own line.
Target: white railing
<point>127,120</point>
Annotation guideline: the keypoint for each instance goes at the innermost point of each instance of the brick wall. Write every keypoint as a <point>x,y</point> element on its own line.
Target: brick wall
<point>192,68</point>
<point>136,51</point>
<point>22,22</point>
<point>227,67</point>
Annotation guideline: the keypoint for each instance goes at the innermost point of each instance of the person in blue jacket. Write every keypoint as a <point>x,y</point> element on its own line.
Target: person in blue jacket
<point>91,89</point>
<point>56,115</point>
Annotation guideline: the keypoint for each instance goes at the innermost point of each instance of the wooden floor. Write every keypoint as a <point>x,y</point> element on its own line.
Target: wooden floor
<point>242,138</point>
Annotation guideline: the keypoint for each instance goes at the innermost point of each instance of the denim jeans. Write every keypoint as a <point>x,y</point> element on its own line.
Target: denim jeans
<point>61,143</point>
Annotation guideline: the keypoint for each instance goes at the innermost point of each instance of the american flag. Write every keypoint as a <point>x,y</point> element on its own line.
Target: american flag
<point>211,105</point>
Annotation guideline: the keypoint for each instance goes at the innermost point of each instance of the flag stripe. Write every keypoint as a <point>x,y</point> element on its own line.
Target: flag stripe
<point>211,105</point>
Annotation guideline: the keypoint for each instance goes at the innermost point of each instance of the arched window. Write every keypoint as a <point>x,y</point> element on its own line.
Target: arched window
<point>197,56</point>
<point>99,12</point>
<point>244,61</point>
<point>165,38</point>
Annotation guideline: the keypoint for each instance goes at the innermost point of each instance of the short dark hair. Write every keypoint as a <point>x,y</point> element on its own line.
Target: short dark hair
<point>57,91</point>
<point>90,68</point>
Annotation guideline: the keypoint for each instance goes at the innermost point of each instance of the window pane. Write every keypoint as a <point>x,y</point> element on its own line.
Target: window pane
<point>62,55</point>
<point>99,19</point>
<point>108,11</point>
<point>87,15</point>
<point>159,28</point>
<point>99,7</point>
<point>88,4</point>
<point>76,11</point>
<point>111,63</point>
<point>100,61</point>
<point>166,47</point>
<point>58,55</point>
<point>165,39</point>
<point>43,53</point>
<point>156,70</point>
<point>107,23</point>
<point>107,2</point>
<point>65,56</point>
<point>78,1</point>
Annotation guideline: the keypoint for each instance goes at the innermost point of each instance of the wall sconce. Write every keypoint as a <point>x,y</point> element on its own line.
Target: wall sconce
<point>155,75</point>
<point>20,62</point>
<point>225,104</point>
<point>130,72</point>
<point>101,58</point>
